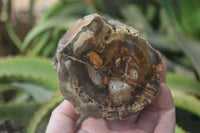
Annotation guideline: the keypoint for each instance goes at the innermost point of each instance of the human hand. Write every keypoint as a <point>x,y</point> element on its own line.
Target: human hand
<point>158,117</point>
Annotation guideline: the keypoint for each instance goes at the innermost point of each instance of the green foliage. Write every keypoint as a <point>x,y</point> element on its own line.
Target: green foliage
<point>20,113</point>
<point>35,82</point>
<point>10,30</point>
<point>28,83</point>
<point>179,130</point>
<point>183,83</point>
<point>184,15</point>
<point>27,66</point>
<point>186,101</point>
<point>39,93</point>
<point>44,111</point>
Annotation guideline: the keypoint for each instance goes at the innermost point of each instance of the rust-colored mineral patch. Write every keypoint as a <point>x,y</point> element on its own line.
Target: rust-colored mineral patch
<point>106,68</point>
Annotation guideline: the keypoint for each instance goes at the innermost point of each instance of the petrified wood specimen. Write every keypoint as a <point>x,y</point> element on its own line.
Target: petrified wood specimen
<point>106,69</point>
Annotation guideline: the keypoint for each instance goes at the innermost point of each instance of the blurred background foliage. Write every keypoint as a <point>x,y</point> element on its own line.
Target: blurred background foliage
<point>28,85</point>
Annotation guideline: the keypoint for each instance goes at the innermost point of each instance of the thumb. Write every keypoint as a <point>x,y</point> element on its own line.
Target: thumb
<point>62,119</point>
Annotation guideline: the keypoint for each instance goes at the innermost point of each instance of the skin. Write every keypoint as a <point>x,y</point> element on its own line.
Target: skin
<point>157,117</point>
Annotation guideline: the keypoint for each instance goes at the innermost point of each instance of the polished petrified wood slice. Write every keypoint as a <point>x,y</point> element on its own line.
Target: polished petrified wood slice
<point>106,69</point>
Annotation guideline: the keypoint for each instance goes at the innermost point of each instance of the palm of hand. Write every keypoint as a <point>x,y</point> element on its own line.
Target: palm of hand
<point>157,117</point>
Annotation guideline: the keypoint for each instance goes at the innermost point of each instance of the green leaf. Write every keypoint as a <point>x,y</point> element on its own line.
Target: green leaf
<point>178,69</point>
<point>52,10</point>
<point>151,11</point>
<point>46,83</point>
<point>183,83</point>
<point>167,6</point>
<point>65,9</point>
<point>9,28</point>
<point>40,43</point>
<point>186,101</point>
<point>184,15</point>
<point>43,111</point>
<point>134,16</point>
<point>189,16</point>
<point>162,42</point>
<point>13,35</point>
<point>27,66</point>
<point>39,93</point>
<point>31,11</point>
<point>188,45</point>
<point>178,129</point>
<point>51,23</point>
<point>20,113</point>
<point>50,49</point>
<point>77,10</point>
<point>21,97</point>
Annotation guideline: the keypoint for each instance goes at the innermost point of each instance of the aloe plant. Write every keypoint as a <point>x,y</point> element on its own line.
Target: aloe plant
<point>29,75</point>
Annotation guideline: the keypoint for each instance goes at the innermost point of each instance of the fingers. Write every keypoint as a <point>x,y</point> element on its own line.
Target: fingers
<point>160,115</point>
<point>166,111</point>
<point>62,119</point>
<point>164,100</point>
<point>92,125</point>
<point>148,119</point>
